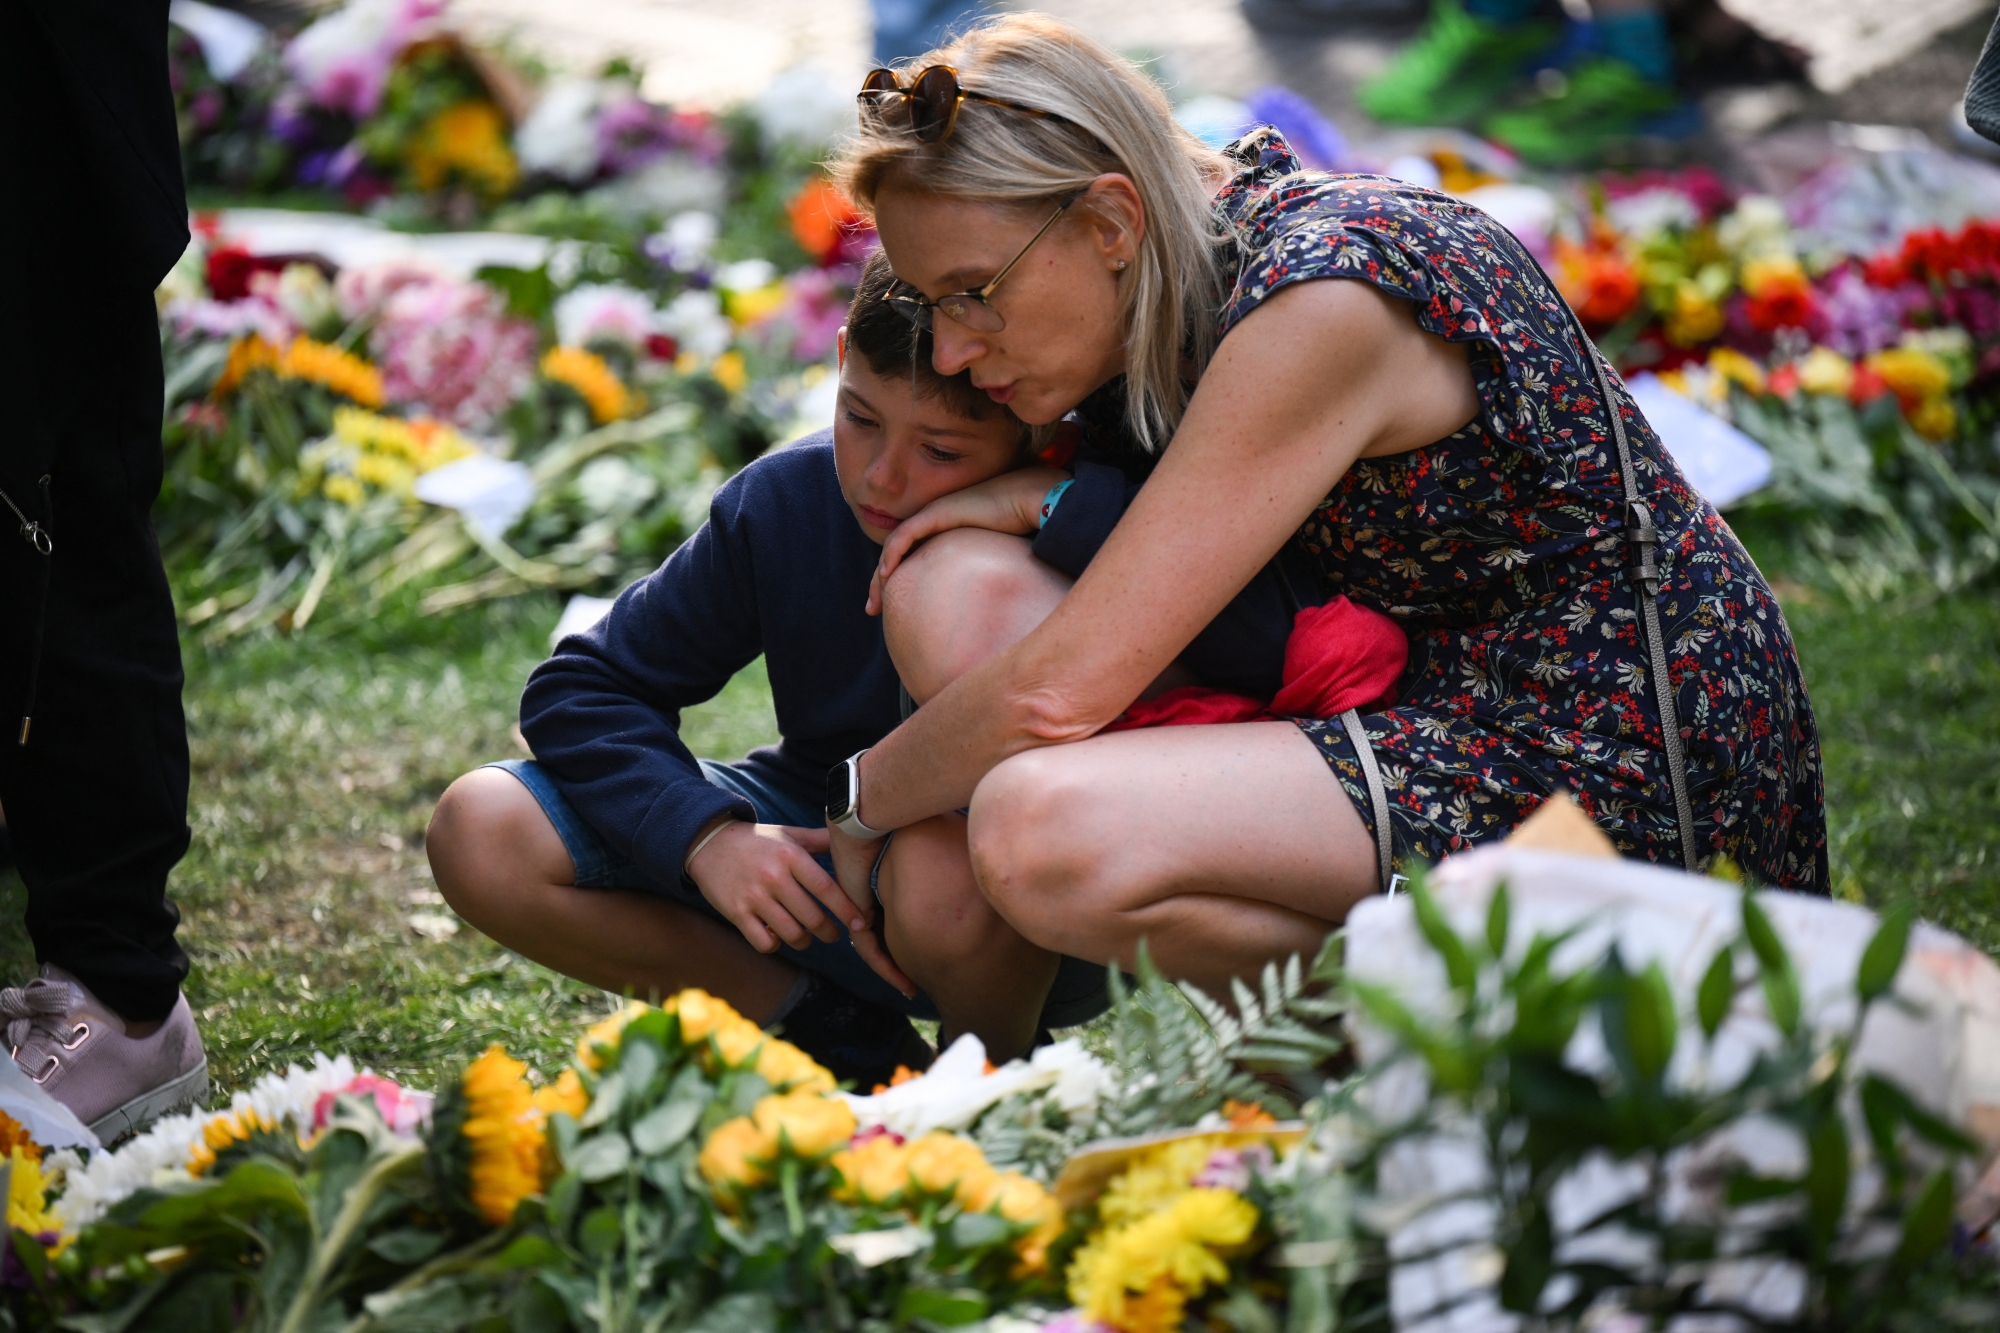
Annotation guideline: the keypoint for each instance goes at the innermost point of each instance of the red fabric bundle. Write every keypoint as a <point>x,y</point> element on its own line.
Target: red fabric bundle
<point>1339,656</point>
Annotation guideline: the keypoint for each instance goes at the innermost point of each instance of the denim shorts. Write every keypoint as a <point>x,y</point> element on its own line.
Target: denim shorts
<point>1079,994</point>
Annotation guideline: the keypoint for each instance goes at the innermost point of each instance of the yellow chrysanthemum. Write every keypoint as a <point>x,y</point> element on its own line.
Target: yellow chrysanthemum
<point>730,372</point>
<point>1157,1178</point>
<point>223,1130</point>
<point>27,1191</point>
<point>1823,370</point>
<point>738,1155</point>
<point>807,1124</point>
<point>248,353</point>
<point>1692,315</point>
<point>384,473</point>
<point>504,1128</point>
<point>344,488</point>
<point>594,381</point>
<point>1736,368</point>
<point>1911,373</point>
<point>789,1069</point>
<point>604,1033</point>
<point>566,1095</point>
<point>339,370</point>
<point>424,442</point>
<point>467,140</point>
<point>1183,1245</point>
<point>875,1172</point>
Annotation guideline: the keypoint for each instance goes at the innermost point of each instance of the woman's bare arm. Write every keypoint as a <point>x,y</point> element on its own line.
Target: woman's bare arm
<point>1319,375</point>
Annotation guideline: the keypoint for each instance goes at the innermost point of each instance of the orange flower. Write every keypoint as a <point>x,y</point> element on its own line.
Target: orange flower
<point>566,1095</point>
<point>1598,279</point>
<point>822,218</point>
<point>341,371</point>
<point>504,1128</point>
<point>12,1136</point>
<point>248,353</point>
<point>594,381</point>
<point>1781,296</point>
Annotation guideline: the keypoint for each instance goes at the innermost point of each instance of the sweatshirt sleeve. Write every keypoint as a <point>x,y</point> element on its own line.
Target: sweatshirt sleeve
<point>1243,649</point>
<point>603,713</point>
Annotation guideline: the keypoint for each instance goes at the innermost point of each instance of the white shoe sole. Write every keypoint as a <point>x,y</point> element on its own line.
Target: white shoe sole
<point>187,1090</point>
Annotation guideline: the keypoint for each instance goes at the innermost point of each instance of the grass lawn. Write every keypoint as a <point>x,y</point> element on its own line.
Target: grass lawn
<point>316,765</point>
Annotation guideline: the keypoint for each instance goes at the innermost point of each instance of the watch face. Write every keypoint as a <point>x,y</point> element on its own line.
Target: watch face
<point>836,793</point>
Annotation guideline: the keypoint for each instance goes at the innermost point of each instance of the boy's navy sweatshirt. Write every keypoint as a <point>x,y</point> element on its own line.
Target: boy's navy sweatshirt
<point>781,569</point>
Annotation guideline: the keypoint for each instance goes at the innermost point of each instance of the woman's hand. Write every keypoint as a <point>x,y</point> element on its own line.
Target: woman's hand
<point>1009,503</point>
<point>854,862</point>
<point>763,879</point>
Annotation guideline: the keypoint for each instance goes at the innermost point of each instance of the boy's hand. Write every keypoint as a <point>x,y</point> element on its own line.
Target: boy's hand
<point>1010,503</point>
<point>853,861</point>
<point>763,878</point>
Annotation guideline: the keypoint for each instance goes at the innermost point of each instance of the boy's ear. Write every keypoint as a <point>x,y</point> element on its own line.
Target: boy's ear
<point>840,348</point>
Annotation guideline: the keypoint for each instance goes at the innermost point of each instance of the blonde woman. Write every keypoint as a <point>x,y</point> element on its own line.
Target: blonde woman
<point>1375,377</point>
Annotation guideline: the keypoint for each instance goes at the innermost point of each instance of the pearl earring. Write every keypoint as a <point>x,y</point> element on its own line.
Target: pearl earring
<point>1120,266</point>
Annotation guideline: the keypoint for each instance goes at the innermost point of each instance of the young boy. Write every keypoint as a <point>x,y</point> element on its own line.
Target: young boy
<point>618,858</point>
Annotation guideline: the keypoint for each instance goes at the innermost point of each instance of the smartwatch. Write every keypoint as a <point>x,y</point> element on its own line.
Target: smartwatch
<point>843,799</point>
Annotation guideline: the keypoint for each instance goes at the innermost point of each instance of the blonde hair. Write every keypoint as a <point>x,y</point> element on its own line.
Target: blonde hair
<point>1120,123</point>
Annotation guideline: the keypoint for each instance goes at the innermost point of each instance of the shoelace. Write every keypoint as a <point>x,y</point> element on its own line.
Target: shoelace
<point>40,1004</point>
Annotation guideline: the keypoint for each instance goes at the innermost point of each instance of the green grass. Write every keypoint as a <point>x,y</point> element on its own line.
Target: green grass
<point>317,762</point>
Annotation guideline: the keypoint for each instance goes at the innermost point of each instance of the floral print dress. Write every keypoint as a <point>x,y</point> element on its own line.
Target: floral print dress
<point>1501,550</point>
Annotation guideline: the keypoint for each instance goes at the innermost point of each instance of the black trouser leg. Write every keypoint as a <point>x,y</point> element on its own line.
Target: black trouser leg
<point>96,800</point>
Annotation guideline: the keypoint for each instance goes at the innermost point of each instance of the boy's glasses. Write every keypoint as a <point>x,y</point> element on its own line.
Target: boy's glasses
<point>974,309</point>
<point>932,98</point>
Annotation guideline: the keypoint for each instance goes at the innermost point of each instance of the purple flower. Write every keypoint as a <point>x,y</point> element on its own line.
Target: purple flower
<point>1859,318</point>
<point>815,308</point>
<point>632,132</point>
<point>1232,1168</point>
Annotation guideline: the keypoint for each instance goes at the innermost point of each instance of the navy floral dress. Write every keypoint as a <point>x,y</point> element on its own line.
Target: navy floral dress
<point>1501,551</point>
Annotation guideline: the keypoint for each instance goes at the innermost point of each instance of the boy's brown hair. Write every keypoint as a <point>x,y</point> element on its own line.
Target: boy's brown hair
<point>893,347</point>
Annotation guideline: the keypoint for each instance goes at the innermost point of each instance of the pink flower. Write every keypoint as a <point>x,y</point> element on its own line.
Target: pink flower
<point>1231,1168</point>
<point>343,60</point>
<point>450,349</point>
<point>815,307</point>
<point>402,1110</point>
<point>1860,318</point>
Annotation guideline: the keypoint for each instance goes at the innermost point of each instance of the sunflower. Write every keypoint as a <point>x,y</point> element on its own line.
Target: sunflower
<point>504,1128</point>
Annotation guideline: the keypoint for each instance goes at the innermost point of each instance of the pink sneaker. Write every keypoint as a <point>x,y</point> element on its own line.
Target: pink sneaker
<point>65,1039</point>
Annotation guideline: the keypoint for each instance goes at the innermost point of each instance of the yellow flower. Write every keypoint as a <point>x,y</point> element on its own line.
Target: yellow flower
<point>978,1189</point>
<point>806,1123</point>
<point>26,1205</point>
<point>1157,1178</point>
<point>223,1130</point>
<point>1935,418</point>
<point>566,1095</point>
<point>1911,373</point>
<point>341,371</point>
<point>469,140</point>
<point>938,1161</point>
<point>1826,371</point>
<point>699,1013</point>
<point>1692,316</point>
<point>873,1173</point>
<point>504,1128</point>
<point>339,486</point>
<point>594,381</point>
<point>789,1069</point>
<point>753,306</point>
<point>248,353</point>
<point>605,1033</point>
<point>1734,367</point>
<point>385,473</point>
<point>738,1154</point>
<point>730,372</point>
<point>737,1041</point>
<point>1183,1244</point>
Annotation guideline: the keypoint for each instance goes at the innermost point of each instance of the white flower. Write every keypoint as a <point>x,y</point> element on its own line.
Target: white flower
<point>604,312</point>
<point>695,321</point>
<point>806,107</point>
<point>559,137</point>
<point>683,244</point>
<point>746,275</point>
<point>305,296</point>
<point>672,184</point>
<point>958,1088</point>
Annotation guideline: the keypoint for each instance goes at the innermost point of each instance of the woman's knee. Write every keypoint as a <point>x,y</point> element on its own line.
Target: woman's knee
<point>1033,850</point>
<point>488,835</point>
<point>958,599</point>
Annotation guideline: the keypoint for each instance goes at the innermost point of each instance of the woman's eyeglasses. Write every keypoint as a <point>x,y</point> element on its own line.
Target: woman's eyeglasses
<point>973,309</point>
<point>933,99</point>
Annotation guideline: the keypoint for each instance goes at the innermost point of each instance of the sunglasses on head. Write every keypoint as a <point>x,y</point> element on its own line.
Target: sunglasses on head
<point>932,99</point>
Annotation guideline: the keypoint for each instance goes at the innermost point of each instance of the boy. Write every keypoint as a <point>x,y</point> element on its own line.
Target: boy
<point>718,870</point>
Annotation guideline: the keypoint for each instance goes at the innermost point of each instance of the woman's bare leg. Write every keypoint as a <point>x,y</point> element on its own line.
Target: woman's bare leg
<point>1222,847</point>
<point>983,976</point>
<point>502,866</point>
